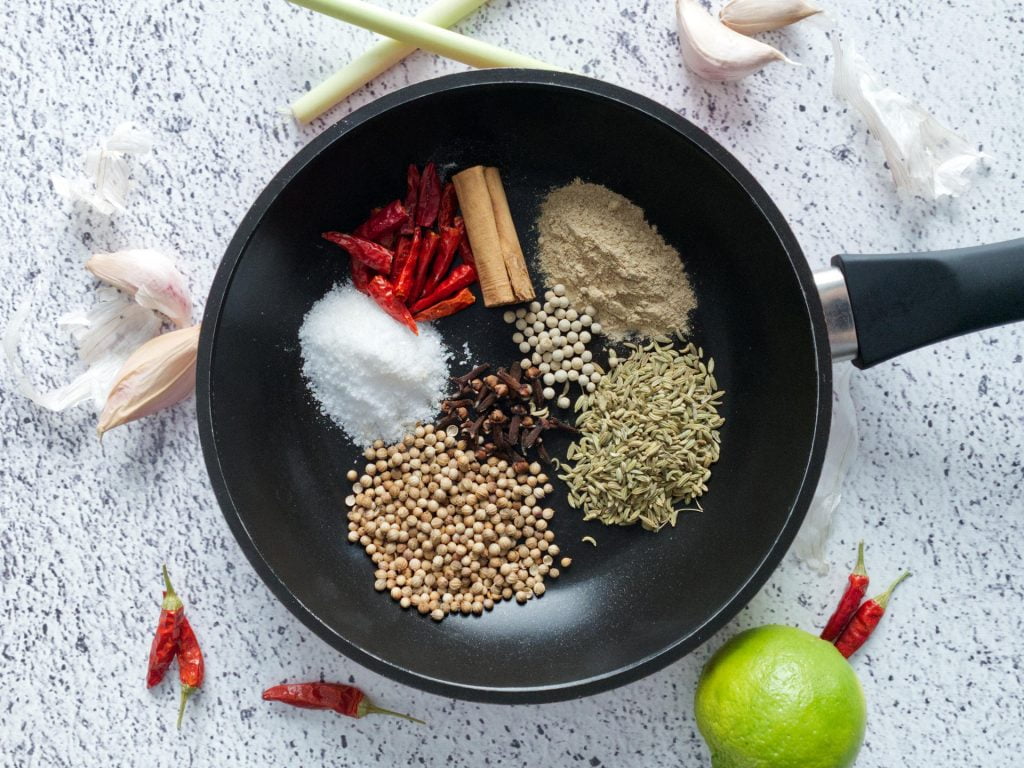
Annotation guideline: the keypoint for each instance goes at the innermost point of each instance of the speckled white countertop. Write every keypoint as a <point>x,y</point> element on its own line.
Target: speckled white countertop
<point>84,527</point>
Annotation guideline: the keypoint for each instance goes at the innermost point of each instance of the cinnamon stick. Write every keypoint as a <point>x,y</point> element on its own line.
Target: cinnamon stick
<point>482,230</point>
<point>511,251</point>
<point>500,263</point>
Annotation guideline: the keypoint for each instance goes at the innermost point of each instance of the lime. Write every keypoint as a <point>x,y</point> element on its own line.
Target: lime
<point>779,697</point>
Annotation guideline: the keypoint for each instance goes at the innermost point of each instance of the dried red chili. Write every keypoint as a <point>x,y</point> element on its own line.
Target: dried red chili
<point>407,274</point>
<point>429,202</point>
<point>446,213</point>
<point>384,294</point>
<point>865,620</point>
<point>191,667</point>
<point>423,261</point>
<point>457,303</point>
<point>344,699</point>
<point>450,239</point>
<point>412,194</point>
<point>465,250</point>
<point>168,630</point>
<point>461,277</point>
<point>361,274</point>
<point>383,222</point>
<point>850,601</point>
<point>375,256</point>
<point>401,256</point>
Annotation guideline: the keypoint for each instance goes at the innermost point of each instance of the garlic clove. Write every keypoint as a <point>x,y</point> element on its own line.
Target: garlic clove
<point>752,16</point>
<point>715,52</point>
<point>150,277</point>
<point>157,375</point>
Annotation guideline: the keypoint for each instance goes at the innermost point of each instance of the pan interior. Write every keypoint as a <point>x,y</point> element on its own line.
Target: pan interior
<point>637,599</point>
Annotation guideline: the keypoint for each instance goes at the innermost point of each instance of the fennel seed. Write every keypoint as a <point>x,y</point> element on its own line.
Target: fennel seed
<point>649,436</point>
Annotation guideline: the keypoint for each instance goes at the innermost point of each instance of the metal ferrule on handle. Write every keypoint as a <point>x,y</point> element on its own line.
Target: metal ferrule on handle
<point>878,306</point>
<point>835,301</point>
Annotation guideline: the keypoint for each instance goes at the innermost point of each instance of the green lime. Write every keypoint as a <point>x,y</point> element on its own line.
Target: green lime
<point>779,697</point>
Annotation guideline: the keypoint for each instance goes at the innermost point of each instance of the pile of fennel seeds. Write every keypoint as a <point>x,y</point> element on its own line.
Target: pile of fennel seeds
<point>649,435</point>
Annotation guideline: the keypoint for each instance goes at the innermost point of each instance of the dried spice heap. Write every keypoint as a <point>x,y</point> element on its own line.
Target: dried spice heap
<point>601,247</point>
<point>649,437</point>
<point>502,413</point>
<point>450,532</point>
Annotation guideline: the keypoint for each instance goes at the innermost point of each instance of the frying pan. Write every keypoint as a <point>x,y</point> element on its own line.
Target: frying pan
<point>638,600</point>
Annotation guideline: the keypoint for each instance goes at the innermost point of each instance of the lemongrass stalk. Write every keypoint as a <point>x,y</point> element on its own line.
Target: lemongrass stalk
<point>376,61</point>
<point>443,42</point>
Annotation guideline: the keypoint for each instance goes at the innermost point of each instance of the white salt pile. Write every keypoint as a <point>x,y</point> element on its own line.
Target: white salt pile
<point>372,377</point>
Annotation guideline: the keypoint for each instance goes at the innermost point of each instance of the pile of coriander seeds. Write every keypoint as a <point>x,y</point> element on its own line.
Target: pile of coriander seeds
<point>447,532</point>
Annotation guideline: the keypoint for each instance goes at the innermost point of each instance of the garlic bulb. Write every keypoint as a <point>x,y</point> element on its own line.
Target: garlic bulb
<point>715,52</point>
<point>158,374</point>
<point>148,276</point>
<point>752,16</point>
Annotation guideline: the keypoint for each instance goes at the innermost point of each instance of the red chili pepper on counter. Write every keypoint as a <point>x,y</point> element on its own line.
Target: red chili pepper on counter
<point>450,239</point>
<point>429,202</point>
<point>449,202</point>
<point>383,222</point>
<point>457,303</point>
<point>412,195</point>
<point>865,620</point>
<point>423,261</point>
<point>376,257</point>
<point>344,699</point>
<point>461,277</point>
<point>850,601</point>
<point>168,630</point>
<point>406,278</point>
<point>384,294</point>
<point>191,667</point>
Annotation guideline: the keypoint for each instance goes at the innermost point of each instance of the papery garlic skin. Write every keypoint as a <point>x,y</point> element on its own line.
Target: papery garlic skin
<point>715,52</point>
<point>150,277</point>
<point>749,17</point>
<point>925,157</point>
<point>106,334</point>
<point>107,173</point>
<point>158,374</point>
<point>811,540</point>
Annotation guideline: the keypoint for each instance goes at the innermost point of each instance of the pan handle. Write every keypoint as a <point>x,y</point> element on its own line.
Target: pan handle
<point>902,301</point>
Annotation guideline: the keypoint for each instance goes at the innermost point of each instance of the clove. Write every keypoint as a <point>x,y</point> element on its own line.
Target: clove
<point>467,377</point>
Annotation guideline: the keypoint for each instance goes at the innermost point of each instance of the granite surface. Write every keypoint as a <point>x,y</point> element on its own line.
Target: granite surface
<point>83,526</point>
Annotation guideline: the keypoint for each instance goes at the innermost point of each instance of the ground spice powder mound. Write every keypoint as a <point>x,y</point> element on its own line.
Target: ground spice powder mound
<point>600,246</point>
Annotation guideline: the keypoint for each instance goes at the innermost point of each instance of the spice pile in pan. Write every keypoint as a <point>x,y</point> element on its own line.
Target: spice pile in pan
<point>501,414</point>
<point>649,437</point>
<point>555,336</point>
<point>453,504</point>
<point>370,375</point>
<point>402,256</point>
<point>602,248</point>
<point>448,532</point>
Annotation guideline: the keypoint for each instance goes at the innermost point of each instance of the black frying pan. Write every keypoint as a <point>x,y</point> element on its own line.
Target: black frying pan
<point>639,600</point>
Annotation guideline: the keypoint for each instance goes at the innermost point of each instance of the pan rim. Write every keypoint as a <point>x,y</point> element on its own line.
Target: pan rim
<point>236,250</point>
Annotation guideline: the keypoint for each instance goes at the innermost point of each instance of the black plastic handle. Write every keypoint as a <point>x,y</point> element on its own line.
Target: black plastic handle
<point>903,301</point>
